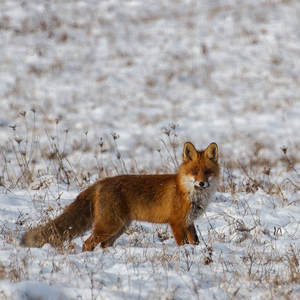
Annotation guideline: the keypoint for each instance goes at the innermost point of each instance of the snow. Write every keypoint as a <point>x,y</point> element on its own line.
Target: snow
<point>75,73</point>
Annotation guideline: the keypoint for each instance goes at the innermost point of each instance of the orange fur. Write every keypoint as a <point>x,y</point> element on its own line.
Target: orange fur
<point>110,205</point>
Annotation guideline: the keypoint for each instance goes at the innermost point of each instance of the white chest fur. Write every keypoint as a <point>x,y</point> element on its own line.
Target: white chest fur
<point>200,199</point>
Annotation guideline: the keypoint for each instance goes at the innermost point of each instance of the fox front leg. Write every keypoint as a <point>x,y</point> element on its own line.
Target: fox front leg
<point>192,235</point>
<point>180,234</point>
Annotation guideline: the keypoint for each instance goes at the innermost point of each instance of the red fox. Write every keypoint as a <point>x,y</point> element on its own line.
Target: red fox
<point>110,205</point>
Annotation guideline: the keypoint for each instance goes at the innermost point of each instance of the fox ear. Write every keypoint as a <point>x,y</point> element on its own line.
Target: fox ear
<point>189,152</point>
<point>211,152</point>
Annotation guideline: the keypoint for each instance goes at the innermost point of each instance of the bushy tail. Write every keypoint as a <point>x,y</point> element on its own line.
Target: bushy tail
<point>76,218</point>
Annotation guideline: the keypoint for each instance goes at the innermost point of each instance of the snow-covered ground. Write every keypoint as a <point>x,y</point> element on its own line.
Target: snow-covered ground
<point>94,88</point>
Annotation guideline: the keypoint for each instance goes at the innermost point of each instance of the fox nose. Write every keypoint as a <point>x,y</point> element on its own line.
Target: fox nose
<point>203,184</point>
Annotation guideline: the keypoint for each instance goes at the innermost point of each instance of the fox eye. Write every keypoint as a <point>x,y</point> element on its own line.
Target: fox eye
<point>195,172</point>
<point>207,172</point>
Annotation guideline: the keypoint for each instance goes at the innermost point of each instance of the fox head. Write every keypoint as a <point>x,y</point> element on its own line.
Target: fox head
<point>200,168</point>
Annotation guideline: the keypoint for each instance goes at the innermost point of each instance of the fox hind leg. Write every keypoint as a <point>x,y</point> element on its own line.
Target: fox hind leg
<point>101,233</point>
<point>109,242</point>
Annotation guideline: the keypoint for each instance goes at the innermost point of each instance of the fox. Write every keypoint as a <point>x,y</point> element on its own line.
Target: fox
<point>109,206</point>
